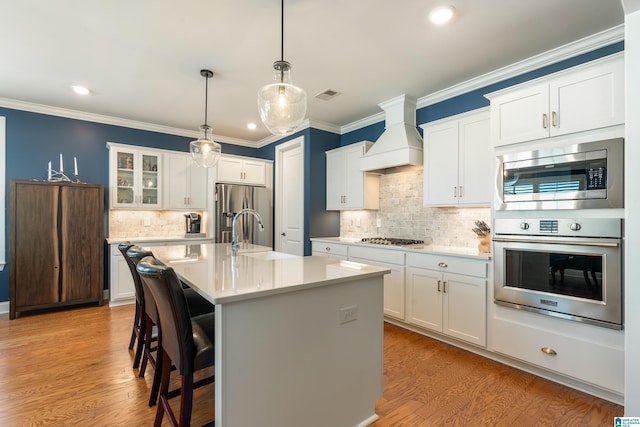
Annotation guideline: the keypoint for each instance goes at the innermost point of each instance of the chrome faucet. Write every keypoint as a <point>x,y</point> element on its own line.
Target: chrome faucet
<point>234,234</point>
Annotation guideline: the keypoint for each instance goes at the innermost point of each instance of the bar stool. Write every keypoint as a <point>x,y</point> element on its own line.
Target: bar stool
<point>137,331</point>
<point>196,304</point>
<point>186,342</point>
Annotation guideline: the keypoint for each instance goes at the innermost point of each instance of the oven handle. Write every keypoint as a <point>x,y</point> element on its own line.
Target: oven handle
<point>560,242</point>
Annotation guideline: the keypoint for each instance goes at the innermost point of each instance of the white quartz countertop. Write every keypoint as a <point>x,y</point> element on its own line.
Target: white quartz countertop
<point>256,271</point>
<point>426,248</point>
<point>164,239</point>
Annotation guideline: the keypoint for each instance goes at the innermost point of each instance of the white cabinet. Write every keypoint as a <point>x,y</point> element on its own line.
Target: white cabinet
<point>448,295</point>
<point>185,184</point>
<point>394,282</point>
<point>589,353</point>
<point>347,186</point>
<point>583,98</point>
<point>458,162</point>
<point>135,178</point>
<point>121,287</point>
<point>331,250</point>
<point>241,170</point>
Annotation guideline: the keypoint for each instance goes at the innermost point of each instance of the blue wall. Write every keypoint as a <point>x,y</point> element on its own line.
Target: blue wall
<point>475,99</point>
<point>34,139</point>
<point>317,221</point>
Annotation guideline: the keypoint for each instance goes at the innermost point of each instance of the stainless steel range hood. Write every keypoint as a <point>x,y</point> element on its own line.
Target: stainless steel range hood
<point>400,145</point>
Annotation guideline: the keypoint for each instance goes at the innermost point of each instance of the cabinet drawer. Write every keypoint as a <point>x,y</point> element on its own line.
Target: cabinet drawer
<point>448,264</point>
<point>589,361</point>
<point>336,249</point>
<point>389,256</point>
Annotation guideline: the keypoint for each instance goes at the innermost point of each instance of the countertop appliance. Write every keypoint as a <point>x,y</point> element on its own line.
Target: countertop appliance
<point>567,268</point>
<point>578,176</point>
<point>192,223</point>
<point>231,199</point>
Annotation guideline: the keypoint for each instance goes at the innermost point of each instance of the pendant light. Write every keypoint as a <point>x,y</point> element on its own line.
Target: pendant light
<point>205,152</point>
<point>282,105</point>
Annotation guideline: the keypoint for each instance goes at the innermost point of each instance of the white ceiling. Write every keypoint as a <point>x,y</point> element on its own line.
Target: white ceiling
<point>142,58</point>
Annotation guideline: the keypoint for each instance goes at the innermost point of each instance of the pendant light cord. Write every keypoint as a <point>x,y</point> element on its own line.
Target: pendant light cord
<point>206,102</point>
<point>281,30</point>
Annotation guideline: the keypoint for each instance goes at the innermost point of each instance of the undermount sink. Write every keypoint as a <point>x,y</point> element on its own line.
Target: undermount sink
<point>268,255</point>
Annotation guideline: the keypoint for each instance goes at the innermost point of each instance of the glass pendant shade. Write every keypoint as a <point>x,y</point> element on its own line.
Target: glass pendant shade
<point>282,105</point>
<point>205,152</point>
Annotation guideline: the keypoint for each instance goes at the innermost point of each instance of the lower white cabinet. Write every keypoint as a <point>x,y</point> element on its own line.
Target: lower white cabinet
<point>448,295</point>
<point>121,288</point>
<point>394,282</point>
<point>588,353</point>
<point>331,250</point>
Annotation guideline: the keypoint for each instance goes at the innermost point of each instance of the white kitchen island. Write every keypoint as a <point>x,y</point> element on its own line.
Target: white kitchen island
<point>299,340</point>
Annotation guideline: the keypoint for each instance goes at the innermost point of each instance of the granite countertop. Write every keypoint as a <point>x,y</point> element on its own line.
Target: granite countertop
<point>426,248</point>
<point>256,271</point>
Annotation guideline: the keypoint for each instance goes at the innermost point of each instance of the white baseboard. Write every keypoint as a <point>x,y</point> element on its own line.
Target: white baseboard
<point>4,307</point>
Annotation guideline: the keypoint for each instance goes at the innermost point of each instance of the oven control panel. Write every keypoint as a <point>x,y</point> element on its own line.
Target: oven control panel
<point>576,227</point>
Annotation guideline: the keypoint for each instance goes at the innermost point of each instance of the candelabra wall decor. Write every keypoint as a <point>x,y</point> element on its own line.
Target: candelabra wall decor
<point>59,175</point>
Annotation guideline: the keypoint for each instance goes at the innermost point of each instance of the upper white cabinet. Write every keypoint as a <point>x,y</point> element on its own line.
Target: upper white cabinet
<point>458,161</point>
<point>135,179</point>
<point>185,184</point>
<point>583,98</point>
<point>348,187</point>
<point>242,170</point>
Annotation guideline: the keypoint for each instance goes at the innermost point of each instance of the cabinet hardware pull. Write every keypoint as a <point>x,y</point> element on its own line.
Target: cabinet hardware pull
<point>442,264</point>
<point>554,119</point>
<point>460,192</point>
<point>328,249</point>
<point>438,285</point>
<point>544,120</point>
<point>548,350</point>
<point>444,287</point>
<point>455,192</point>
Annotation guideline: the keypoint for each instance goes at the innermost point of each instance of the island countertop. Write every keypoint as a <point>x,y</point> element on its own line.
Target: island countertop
<point>256,271</point>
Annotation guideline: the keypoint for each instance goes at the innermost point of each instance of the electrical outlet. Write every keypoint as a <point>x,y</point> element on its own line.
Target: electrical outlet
<point>348,314</point>
<point>358,222</point>
<point>146,221</point>
<point>378,222</point>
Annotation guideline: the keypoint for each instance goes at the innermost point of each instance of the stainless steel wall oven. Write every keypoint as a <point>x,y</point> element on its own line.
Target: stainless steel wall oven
<point>585,176</point>
<point>568,268</point>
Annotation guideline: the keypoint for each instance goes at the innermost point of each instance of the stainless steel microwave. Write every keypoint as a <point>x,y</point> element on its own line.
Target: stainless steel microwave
<point>577,176</point>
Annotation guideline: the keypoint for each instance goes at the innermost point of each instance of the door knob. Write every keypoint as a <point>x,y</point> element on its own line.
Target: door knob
<point>283,234</point>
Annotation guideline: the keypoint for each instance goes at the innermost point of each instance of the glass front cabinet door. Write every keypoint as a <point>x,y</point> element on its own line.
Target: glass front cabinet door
<point>134,181</point>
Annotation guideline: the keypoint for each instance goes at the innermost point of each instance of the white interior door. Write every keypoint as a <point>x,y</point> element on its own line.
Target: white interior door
<point>289,223</point>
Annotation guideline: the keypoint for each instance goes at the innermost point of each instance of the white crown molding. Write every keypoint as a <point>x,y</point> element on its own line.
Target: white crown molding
<point>116,121</point>
<point>587,44</point>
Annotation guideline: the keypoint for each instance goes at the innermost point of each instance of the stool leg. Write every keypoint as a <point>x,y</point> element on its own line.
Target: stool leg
<point>141,338</point>
<point>186,399</point>
<point>164,388</point>
<point>136,322</point>
<point>147,345</point>
<point>157,373</point>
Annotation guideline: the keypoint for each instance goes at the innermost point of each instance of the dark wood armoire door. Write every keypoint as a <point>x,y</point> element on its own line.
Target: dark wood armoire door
<point>35,255</point>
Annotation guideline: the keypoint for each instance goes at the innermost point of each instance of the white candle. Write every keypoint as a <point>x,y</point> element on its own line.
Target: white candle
<point>61,165</point>
<point>75,166</point>
<point>49,171</point>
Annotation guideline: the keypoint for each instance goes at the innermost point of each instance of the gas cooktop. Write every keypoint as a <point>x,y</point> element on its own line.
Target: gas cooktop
<point>391,241</point>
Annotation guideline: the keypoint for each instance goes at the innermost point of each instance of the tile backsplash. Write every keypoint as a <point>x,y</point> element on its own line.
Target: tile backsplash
<point>402,215</point>
<point>130,223</point>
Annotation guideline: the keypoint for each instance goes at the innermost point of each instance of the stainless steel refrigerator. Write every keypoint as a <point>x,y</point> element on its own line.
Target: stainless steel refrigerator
<point>232,198</point>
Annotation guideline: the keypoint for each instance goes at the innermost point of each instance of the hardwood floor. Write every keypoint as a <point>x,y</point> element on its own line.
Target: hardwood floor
<point>72,368</point>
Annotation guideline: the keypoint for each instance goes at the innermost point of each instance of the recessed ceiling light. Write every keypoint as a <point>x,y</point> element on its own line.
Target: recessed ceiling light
<point>80,90</point>
<point>251,126</point>
<point>442,15</point>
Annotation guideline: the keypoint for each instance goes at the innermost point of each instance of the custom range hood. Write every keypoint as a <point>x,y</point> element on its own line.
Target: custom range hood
<point>400,145</point>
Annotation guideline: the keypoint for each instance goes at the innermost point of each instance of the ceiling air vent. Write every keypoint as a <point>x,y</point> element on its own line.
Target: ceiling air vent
<point>327,94</point>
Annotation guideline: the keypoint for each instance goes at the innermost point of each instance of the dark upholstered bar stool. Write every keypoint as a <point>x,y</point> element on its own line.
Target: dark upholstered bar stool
<point>137,331</point>
<point>196,304</point>
<point>186,342</point>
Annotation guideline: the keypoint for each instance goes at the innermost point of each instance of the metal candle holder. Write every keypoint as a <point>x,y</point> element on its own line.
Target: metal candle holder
<point>56,176</point>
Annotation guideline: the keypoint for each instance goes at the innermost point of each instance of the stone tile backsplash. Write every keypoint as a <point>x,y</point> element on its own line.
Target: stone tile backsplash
<point>130,223</point>
<point>402,215</point>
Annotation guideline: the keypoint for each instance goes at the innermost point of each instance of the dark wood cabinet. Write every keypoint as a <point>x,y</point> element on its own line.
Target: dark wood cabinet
<point>56,250</point>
